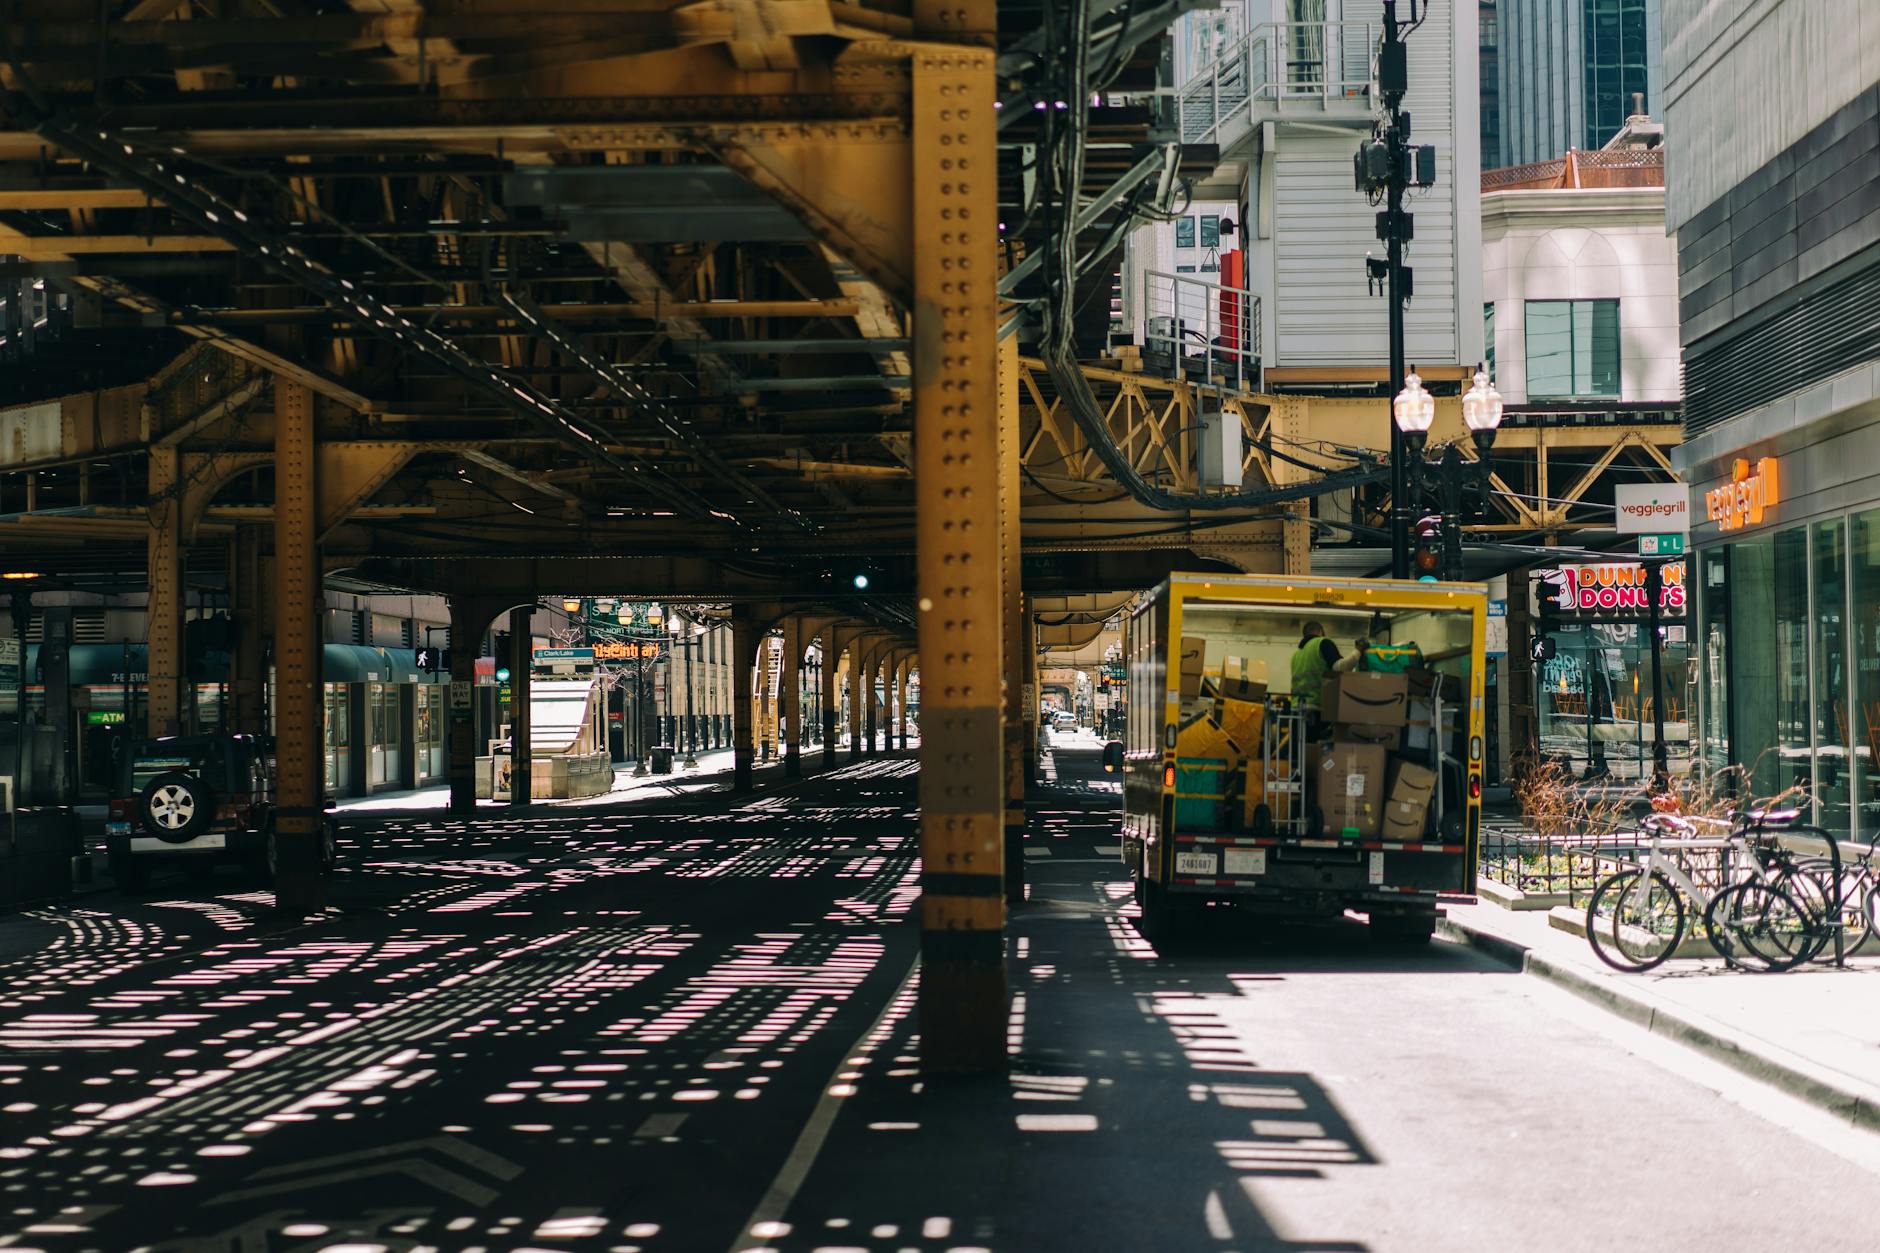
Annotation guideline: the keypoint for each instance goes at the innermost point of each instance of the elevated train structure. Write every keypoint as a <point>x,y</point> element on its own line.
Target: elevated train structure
<point>790,307</point>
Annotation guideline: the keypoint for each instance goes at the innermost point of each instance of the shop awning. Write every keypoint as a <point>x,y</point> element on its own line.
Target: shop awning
<point>108,665</point>
<point>355,663</point>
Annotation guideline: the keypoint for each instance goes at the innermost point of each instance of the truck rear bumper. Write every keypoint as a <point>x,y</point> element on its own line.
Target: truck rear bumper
<point>1318,875</point>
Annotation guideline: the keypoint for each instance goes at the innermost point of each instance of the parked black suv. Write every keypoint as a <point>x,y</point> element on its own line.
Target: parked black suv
<point>198,800</point>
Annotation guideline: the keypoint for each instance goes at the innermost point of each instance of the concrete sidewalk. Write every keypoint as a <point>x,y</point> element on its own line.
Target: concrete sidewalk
<point>626,784</point>
<point>1813,1032</point>
<point>714,770</point>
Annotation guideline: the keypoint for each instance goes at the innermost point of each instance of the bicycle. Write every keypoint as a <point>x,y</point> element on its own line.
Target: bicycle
<point>1636,917</point>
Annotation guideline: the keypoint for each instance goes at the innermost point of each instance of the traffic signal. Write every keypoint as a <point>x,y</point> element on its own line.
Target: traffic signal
<point>434,660</point>
<point>1426,548</point>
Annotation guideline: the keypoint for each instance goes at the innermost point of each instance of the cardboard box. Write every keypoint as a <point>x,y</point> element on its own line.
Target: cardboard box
<point>1375,700</point>
<point>1406,809</point>
<point>1350,787</point>
<point>1194,652</point>
<point>1364,733</point>
<point>1190,683</point>
<point>1242,679</point>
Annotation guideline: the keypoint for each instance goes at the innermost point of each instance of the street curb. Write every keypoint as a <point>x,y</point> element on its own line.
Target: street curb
<point>1754,1058</point>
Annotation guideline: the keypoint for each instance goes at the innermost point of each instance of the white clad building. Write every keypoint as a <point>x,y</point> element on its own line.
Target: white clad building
<point>1580,282</point>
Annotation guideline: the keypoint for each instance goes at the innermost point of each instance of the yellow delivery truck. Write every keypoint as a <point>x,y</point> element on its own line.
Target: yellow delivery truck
<point>1303,746</point>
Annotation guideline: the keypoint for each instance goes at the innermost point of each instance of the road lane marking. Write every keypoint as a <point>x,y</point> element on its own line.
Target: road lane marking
<point>796,1167</point>
<point>659,1125</point>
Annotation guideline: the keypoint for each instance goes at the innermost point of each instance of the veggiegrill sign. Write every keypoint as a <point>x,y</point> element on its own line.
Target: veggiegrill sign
<point>1615,587</point>
<point>1745,500</point>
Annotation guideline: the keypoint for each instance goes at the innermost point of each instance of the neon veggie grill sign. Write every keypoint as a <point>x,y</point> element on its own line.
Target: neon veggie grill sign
<point>1747,498</point>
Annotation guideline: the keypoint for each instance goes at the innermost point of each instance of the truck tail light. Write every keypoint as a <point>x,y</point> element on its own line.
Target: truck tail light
<point>1168,776</point>
<point>1475,787</point>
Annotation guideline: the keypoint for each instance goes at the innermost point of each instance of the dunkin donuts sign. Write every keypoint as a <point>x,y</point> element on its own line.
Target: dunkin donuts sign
<point>1616,587</point>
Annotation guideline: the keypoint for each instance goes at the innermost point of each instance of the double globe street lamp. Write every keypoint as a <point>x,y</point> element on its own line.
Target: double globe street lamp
<point>1413,410</point>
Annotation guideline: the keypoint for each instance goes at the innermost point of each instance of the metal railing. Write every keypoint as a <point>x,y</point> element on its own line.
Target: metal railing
<point>1201,331</point>
<point>1278,62</point>
<point>1571,864</point>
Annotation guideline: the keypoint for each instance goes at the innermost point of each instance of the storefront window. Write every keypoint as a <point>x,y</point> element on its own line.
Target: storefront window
<point>1713,645</point>
<point>1791,660</point>
<point>1833,794</point>
<point>1752,662</point>
<point>1864,637</point>
<point>1598,714</point>
<point>338,716</point>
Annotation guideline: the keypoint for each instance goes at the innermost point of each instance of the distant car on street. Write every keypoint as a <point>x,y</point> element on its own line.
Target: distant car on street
<point>197,801</point>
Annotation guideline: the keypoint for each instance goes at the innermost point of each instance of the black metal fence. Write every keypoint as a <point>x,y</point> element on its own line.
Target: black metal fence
<point>1570,864</point>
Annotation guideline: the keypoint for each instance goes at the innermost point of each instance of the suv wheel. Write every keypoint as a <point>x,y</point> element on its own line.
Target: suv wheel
<point>177,807</point>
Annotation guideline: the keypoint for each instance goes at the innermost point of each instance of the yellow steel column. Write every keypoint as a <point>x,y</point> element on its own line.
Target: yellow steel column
<point>957,480</point>
<point>826,699</point>
<point>1011,625</point>
<point>468,620</point>
<point>1291,422</point>
<point>521,743</point>
<point>900,702</point>
<point>857,646</point>
<point>164,548</point>
<point>300,773</point>
<point>744,639</point>
<point>248,674</point>
<point>1028,654</point>
<point>871,705</point>
<point>791,681</point>
<point>760,733</point>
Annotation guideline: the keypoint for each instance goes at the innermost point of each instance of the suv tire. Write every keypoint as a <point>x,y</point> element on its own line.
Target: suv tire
<point>176,807</point>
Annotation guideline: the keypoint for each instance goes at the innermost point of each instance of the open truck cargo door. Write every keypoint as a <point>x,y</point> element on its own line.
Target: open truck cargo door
<point>1302,747</point>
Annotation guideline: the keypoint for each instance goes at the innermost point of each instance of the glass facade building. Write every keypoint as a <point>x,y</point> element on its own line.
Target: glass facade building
<point>1788,644</point>
<point>1568,71</point>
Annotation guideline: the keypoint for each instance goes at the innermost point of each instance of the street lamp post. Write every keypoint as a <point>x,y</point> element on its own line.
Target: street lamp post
<point>1387,166</point>
<point>1413,410</point>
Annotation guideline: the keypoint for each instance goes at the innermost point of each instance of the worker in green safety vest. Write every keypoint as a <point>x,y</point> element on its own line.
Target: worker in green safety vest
<point>1312,662</point>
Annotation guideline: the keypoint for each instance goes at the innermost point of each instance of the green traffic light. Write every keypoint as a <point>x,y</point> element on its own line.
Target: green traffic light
<point>502,675</point>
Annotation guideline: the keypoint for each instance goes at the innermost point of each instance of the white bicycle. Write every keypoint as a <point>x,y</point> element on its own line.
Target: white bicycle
<point>1637,916</point>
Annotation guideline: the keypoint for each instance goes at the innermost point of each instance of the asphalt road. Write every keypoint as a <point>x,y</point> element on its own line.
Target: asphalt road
<point>579,1029</point>
<point>1297,1091</point>
<point>651,1027</point>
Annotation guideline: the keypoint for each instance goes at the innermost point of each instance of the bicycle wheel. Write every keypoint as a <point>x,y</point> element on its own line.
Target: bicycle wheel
<point>1858,903</point>
<point>1635,923</point>
<point>1758,927</point>
<point>1808,883</point>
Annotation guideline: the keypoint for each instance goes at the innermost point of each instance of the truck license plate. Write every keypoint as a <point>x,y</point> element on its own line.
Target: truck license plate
<point>1194,863</point>
<point>1246,861</point>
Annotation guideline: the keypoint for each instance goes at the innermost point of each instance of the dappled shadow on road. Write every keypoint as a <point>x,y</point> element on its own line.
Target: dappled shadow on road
<point>1140,1112</point>
<point>583,1030</point>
